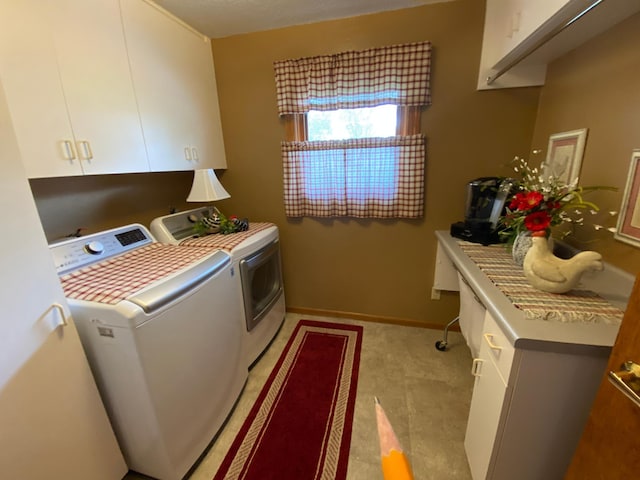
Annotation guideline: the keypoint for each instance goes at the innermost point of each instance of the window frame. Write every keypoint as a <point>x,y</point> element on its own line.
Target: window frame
<point>296,127</point>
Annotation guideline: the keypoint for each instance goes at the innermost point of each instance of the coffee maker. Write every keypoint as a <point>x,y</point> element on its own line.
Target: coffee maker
<point>485,203</point>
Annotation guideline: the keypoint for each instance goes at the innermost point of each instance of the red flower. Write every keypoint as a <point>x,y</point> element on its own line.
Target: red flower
<point>532,200</point>
<point>537,221</point>
<point>516,201</point>
<point>526,201</point>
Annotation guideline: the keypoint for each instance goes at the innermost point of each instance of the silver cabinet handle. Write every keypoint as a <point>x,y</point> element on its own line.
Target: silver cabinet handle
<point>627,380</point>
<point>194,151</point>
<point>86,148</point>
<point>187,154</point>
<point>69,151</point>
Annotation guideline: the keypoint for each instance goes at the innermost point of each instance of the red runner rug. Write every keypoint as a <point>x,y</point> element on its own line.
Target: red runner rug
<point>300,425</point>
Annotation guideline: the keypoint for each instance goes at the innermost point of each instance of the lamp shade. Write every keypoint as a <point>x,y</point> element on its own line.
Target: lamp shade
<point>206,187</point>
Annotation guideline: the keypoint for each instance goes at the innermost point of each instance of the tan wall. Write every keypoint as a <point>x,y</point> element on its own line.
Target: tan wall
<point>100,202</point>
<point>597,87</point>
<point>370,267</point>
<point>384,268</point>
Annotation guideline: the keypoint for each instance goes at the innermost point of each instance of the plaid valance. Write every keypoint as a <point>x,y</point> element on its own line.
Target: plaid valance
<point>397,74</point>
<point>365,178</point>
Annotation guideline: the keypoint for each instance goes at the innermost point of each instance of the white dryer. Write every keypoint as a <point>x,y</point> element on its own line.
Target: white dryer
<point>255,255</point>
<point>162,340</point>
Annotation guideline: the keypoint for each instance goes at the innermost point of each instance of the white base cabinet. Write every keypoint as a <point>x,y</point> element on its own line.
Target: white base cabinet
<point>536,379</point>
<point>489,395</point>
<point>528,408</point>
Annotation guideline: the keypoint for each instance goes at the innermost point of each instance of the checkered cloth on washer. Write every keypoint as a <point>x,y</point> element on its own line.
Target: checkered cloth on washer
<point>225,242</point>
<point>119,277</point>
<point>578,305</point>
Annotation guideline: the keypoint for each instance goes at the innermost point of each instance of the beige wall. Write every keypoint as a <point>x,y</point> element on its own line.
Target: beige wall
<point>597,86</point>
<point>100,202</point>
<point>370,267</point>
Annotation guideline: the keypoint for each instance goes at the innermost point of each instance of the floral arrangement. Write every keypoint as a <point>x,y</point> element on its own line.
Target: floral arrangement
<point>540,202</point>
<point>218,223</point>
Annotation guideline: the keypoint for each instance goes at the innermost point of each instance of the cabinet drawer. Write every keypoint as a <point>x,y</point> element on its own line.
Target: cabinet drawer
<point>500,350</point>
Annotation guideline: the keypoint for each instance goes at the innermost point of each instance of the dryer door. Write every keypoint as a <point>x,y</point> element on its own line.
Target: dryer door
<point>261,275</point>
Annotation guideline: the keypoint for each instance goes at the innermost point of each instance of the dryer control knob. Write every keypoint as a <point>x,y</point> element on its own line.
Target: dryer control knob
<point>94,248</point>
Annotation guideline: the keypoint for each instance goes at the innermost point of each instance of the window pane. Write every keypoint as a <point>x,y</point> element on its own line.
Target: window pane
<point>352,123</point>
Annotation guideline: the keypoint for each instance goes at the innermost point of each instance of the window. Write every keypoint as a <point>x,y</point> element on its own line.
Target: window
<point>353,145</point>
<point>347,123</point>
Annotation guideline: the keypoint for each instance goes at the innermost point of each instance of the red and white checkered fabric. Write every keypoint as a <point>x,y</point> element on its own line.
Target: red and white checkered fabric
<point>117,278</point>
<point>365,178</point>
<point>396,74</point>
<point>225,242</point>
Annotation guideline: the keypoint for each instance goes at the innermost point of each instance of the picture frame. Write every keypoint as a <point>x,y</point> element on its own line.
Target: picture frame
<point>628,228</point>
<point>564,155</point>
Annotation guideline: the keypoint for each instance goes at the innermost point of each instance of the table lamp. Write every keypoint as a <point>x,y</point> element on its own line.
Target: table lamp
<point>206,187</point>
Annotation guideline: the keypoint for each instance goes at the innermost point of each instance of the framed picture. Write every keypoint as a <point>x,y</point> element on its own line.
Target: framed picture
<point>564,155</point>
<point>628,228</point>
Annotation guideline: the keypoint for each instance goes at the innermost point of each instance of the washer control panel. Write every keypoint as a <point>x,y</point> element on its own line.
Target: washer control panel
<point>80,252</point>
<point>178,226</point>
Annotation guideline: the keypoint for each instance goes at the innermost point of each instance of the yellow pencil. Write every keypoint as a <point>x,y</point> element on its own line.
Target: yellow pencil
<point>395,465</point>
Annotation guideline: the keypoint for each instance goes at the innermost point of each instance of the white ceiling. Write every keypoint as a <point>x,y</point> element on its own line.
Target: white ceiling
<point>222,18</point>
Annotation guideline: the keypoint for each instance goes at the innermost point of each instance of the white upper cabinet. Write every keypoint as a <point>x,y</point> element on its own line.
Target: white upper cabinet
<point>522,18</point>
<point>103,86</point>
<point>68,85</point>
<point>174,81</point>
<point>522,36</point>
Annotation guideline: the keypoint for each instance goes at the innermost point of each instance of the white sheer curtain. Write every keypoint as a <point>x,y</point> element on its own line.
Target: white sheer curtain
<point>365,177</point>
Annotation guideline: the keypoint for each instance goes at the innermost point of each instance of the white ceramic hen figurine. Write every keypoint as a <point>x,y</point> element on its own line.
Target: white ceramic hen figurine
<point>549,273</point>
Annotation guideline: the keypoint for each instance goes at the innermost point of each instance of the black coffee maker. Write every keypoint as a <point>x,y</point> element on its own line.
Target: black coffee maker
<point>486,202</point>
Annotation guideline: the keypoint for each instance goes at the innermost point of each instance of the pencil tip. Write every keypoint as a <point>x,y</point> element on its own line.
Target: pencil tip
<point>376,400</point>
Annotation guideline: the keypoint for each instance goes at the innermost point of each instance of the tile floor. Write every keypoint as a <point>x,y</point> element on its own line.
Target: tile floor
<point>425,393</point>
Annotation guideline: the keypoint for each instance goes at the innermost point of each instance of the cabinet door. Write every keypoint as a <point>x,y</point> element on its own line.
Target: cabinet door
<point>525,16</point>
<point>52,420</point>
<point>29,73</point>
<point>489,395</point>
<point>172,68</point>
<point>207,131</point>
<point>95,74</point>
<point>69,89</point>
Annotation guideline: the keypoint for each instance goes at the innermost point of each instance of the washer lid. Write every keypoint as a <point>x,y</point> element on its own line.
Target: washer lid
<point>123,276</point>
<point>162,293</point>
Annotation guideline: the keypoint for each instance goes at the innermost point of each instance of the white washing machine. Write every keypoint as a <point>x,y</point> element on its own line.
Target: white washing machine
<point>162,340</point>
<point>256,256</point>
